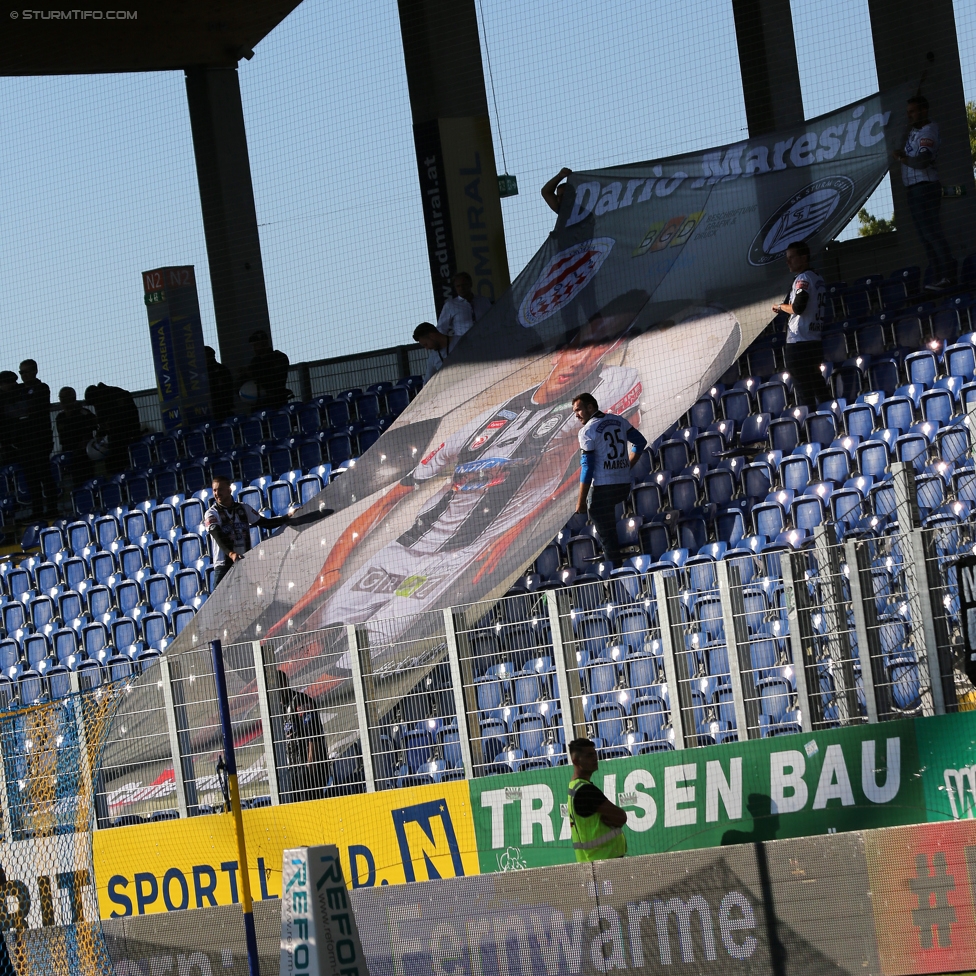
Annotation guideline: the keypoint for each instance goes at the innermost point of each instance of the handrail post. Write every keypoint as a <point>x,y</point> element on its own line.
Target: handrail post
<point>267,730</point>
<point>457,685</point>
<point>666,593</point>
<point>359,688</point>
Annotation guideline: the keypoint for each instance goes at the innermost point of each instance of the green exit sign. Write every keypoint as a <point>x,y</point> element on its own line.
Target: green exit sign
<point>155,297</point>
<point>507,185</point>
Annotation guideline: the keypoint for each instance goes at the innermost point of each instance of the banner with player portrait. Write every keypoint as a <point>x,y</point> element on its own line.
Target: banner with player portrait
<point>655,278</point>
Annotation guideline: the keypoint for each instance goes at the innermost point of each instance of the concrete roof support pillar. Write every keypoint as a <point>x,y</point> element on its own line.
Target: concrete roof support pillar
<point>229,219</point>
<point>767,61</point>
<point>455,156</point>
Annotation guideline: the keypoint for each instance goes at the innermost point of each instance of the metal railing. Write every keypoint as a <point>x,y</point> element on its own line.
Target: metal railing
<point>305,380</point>
<point>835,633</point>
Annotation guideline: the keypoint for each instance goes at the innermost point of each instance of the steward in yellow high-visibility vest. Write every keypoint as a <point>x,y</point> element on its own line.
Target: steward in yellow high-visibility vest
<point>596,824</point>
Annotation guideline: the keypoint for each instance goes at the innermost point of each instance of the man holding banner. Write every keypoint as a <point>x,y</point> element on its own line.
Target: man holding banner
<point>805,307</point>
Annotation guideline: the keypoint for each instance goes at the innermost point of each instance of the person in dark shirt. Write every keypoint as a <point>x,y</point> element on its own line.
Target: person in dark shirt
<point>221,386</point>
<point>306,749</point>
<point>76,427</point>
<point>10,416</point>
<point>37,440</point>
<point>118,420</point>
<point>269,370</point>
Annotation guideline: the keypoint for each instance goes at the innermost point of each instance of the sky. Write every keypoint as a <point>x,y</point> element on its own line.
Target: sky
<point>97,177</point>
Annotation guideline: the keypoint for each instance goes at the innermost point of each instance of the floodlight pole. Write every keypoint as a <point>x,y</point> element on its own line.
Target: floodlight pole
<point>230,762</point>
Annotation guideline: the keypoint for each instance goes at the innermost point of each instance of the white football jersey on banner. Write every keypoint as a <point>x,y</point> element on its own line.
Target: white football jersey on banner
<point>606,437</point>
<point>808,325</point>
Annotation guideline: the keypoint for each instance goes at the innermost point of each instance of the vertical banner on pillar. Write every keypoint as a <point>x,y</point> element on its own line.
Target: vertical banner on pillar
<point>462,209</point>
<point>475,206</point>
<point>178,349</point>
<point>319,936</point>
<point>437,220</point>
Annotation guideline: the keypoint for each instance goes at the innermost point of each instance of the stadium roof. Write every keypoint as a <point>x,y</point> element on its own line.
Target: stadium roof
<point>164,35</point>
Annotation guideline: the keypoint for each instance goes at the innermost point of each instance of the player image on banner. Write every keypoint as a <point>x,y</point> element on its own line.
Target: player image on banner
<point>485,485</point>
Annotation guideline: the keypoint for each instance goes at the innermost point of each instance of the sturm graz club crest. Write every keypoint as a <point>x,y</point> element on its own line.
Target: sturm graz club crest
<point>567,274</point>
<point>800,218</point>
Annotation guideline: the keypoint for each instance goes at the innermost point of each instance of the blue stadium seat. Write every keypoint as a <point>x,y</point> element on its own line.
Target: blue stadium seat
<point>795,472</point>
<point>834,464</point>
<point>47,576</point>
<point>58,679</point>
<point>52,541</point>
<point>953,443</point>
<point>159,554</point>
<point>807,512</point>
<point>70,606</point>
<point>127,596</point>
<point>593,634</point>
<point>720,486</point>
<point>280,497</point>
<point>960,360</point>
<point>633,626</point>
<point>736,405</point>
<point>646,500</point>
<point>181,617</point>
<point>154,629</point>
<point>336,413</point>
<point>157,590</point>
<point>783,434</point>
<point>309,418</point>
<point>651,716</point>
<point>871,339</point>
<point>892,294</point>
<point>769,519</point>
<point>94,637</point>
<point>909,332</point>
<point>164,518</point>
<point>913,449</point>
<point>856,302</point>
<point>41,611</point>
<point>187,586</point>
<point>846,506</point>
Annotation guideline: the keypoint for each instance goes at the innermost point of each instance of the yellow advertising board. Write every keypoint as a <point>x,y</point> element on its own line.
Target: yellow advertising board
<point>384,838</point>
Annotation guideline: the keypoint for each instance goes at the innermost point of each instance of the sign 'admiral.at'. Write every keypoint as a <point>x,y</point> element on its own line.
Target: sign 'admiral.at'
<point>563,278</point>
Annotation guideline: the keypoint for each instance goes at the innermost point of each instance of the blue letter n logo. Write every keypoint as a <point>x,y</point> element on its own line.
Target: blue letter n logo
<point>426,829</point>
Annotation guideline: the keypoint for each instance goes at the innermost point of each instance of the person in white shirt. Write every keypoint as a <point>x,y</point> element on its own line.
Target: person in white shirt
<point>924,191</point>
<point>461,312</point>
<point>805,307</point>
<point>439,346</point>
<point>609,447</point>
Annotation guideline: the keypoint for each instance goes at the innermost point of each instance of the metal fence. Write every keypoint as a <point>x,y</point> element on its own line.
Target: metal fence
<point>861,630</point>
<point>306,380</point>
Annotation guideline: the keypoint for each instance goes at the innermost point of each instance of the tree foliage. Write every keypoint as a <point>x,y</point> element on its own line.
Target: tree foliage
<point>868,225</point>
<point>971,121</point>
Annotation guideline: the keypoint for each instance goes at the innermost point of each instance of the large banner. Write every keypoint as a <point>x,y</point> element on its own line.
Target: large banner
<point>655,278</point>
<point>823,783</point>
<point>878,903</point>
<point>384,839</point>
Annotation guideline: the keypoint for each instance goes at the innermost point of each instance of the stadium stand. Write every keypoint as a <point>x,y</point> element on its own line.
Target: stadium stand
<point>123,576</point>
<point>747,474</point>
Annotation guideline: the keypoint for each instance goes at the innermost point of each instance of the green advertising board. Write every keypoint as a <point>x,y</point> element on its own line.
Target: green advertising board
<point>791,786</point>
